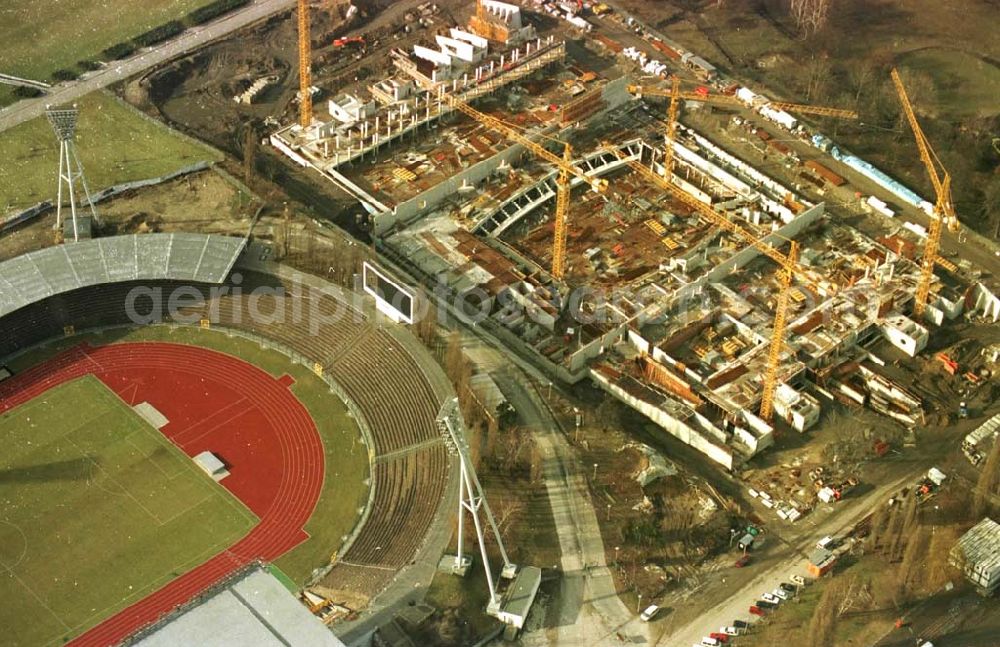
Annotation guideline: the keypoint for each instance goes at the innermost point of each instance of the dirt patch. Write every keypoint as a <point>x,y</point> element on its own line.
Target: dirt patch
<point>199,202</point>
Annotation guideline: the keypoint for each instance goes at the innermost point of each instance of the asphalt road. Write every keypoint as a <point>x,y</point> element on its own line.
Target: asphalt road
<point>737,605</point>
<point>188,41</point>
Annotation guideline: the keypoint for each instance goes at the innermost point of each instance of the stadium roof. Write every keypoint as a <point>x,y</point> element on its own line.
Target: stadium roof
<point>38,275</point>
<point>255,611</point>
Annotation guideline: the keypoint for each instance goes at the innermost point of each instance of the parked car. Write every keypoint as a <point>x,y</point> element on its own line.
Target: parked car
<point>740,624</point>
<point>742,561</point>
<point>756,610</point>
<point>649,613</point>
<point>768,597</point>
<point>780,593</point>
<point>721,636</point>
<point>729,631</point>
<point>798,579</point>
<point>825,542</point>
<point>710,642</point>
<point>791,588</point>
<point>766,604</point>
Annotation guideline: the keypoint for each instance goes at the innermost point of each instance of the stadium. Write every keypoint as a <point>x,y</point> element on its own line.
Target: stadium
<point>179,404</point>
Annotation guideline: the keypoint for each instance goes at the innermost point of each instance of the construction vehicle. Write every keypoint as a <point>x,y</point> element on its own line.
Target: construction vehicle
<point>950,365</point>
<point>944,209</point>
<point>343,42</point>
<point>702,93</point>
<point>564,163</point>
<point>788,264</point>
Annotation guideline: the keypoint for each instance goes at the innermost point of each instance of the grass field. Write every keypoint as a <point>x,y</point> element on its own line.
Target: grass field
<point>344,491</point>
<point>72,30</point>
<point>99,510</point>
<point>116,144</point>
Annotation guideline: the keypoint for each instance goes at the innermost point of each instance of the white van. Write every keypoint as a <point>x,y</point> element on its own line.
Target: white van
<point>709,642</point>
<point>649,613</point>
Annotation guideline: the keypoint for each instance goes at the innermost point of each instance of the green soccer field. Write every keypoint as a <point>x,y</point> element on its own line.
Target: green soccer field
<point>97,510</point>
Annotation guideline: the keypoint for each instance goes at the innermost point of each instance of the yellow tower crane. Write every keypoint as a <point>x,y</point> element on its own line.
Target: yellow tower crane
<point>305,65</point>
<point>788,264</point>
<point>944,209</point>
<point>668,150</point>
<point>725,99</point>
<point>676,96</point>
<point>564,163</point>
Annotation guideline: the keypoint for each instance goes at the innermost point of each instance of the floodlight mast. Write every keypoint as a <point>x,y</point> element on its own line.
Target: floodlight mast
<point>63,121</point>
<point>472,499</point>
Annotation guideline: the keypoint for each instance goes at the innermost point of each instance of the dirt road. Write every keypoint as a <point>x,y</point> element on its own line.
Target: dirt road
<point>148,58</point>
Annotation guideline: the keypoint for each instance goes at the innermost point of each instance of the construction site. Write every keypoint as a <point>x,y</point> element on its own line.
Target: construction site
<point>554,322</point>
<point>594,234</point>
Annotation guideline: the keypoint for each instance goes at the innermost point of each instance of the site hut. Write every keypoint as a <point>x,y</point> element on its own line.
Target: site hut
<point>821,562</point>
<point>520,596</point>
<point>977,554</point>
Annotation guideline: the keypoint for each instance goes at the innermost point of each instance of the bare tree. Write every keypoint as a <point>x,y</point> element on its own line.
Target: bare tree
<point>819,70</point>
<point>824,617</point>
<point>913,564</point>
<point>249,153</point>
<point>427,325</point>
<point>986,485</point>
<point>537,462</point>
<point>506,512</point>
<point>810,16</point>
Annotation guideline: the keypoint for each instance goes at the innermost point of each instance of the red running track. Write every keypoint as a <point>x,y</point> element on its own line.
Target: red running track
<point>215,402</point>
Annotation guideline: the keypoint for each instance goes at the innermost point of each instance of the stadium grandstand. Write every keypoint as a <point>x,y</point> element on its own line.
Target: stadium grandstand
<point>391,384</point>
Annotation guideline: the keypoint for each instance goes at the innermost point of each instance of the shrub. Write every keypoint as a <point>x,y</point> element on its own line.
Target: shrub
<point>159,34</point>
<point>213,10</point>
<point>64,75</point>
<point>26,92</point>
<point>88,66</point>
<point>119,51</point>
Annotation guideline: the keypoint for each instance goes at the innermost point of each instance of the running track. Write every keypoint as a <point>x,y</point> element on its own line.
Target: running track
<point>213,401</point>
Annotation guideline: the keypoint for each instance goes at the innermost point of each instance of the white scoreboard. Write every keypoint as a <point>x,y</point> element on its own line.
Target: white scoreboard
<point>392,298</point>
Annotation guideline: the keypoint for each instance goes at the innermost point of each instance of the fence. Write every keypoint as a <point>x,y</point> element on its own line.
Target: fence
<point>33,212</point>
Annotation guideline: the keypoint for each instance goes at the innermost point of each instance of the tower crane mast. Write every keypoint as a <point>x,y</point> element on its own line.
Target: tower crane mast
<point>305,65</point>
<point>564,163</point>
<point>788,264</point>
<point>944,209</point>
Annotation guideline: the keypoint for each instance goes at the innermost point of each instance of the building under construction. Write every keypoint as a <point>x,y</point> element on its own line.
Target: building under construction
<point>669,307</point>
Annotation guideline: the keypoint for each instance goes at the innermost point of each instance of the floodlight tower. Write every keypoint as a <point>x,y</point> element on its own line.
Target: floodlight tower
<point>63,122</point>
<point>471,499</point>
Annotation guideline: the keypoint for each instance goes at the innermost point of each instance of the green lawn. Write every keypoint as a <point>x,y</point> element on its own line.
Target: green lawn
<point>966,84</point>
<point>344,491</point>
<point>41,37</point>
<point>116,144</point>
<point>99,510</point>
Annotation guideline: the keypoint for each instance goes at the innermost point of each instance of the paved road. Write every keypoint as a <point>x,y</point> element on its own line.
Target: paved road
<point>588,610</point>
<point>736,606</point>
<point>117,70</point>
